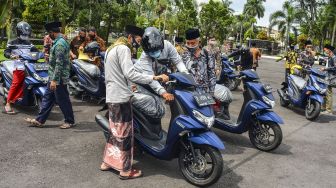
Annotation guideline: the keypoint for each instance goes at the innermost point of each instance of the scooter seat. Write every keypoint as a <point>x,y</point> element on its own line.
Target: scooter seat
<point>9,66</point>
<point>298,81</point>
<point>91,69</point>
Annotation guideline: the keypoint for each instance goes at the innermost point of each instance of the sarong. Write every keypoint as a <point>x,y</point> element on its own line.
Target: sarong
<point>16,89</point>
<point>118,152</point>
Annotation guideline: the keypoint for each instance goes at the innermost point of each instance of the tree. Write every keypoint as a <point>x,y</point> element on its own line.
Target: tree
<point>9,9</point>
<point>262,35</point>
<point>285,19</point>
<point>254,8</point>
<point>215,17</point>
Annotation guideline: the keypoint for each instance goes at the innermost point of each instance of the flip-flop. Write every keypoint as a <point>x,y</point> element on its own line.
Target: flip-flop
<point>132,175</point>
<point>9,112</point>
<point>67,126</point>
<point>33,122</point>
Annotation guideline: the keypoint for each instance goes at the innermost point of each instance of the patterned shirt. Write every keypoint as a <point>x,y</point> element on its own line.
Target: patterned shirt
<point>203,70</point>
<point>59,62</point>
<point>291,59</point>
<point>306,58</point>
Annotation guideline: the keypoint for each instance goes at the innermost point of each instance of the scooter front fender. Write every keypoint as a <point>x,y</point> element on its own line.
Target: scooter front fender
<point>207,138</point>
<point>317,97</point>
<point>40,91</point>
<point>270,116</point>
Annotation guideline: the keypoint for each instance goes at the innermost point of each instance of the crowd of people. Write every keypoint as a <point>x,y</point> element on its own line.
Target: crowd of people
<point>203,63</point>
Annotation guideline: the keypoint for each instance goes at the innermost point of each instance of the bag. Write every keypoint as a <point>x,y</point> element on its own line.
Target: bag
<point>148,103</point>
<point>222,93</point>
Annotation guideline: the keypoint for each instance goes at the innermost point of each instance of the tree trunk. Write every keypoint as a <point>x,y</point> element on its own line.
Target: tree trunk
<point>333,34</point>
<point>240,34</point>
<point>9,21</point>
<point>109,22</point>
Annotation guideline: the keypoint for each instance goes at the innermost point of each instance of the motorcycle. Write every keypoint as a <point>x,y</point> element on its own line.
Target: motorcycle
<point>36,79</point>
<point>256,115</point>
<point>228,77</point>
<point>189,137</point>
<point>87,79</point>
<point>304,94</point>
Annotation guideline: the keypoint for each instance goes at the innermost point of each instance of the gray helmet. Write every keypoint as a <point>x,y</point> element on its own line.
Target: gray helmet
<point>152,40</point>
<point>23,30</point>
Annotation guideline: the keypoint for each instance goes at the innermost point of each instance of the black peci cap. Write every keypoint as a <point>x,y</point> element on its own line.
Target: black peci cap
<point>134,30</point>
<point>192,34</point>
<point>53,26</point>
<point>329,47</point>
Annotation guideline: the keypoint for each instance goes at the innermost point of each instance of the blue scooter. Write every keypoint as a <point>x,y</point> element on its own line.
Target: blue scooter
<point>304,94</point>
<point>256,115</point>
<point>189,137</point>
<point>228,77</point>
<point>87,80</point>
<point>36,79</point>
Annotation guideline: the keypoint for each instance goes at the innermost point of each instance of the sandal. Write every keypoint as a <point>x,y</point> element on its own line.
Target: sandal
<point>134,174</point>
<point>104,167</point>
<point>33,122</point>
<point>8,111</point>
<point>66,126</point>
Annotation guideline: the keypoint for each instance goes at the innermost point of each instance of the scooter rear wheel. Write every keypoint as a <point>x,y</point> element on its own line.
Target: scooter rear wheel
<point>206,169</point>
<point>265,136</point>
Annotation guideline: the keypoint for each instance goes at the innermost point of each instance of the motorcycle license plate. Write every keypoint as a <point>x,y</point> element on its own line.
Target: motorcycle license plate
<point>204,99</point>
<point>41,67</point>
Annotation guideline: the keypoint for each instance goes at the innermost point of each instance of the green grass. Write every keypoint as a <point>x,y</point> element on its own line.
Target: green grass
<point>2,57</point>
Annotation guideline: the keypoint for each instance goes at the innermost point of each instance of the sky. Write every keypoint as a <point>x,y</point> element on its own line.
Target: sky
<point>270,7</point>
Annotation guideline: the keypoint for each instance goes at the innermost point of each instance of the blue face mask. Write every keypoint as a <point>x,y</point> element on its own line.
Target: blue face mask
<point>155,54</point>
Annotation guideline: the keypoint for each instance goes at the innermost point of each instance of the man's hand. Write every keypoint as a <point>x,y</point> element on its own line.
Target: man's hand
<point>73,56</point>
<point>168,97</point>
<point>134,88</point>
<point>53,85</point>
<point>14,57</point>
<point>322,69</point>
<point>163,78</point>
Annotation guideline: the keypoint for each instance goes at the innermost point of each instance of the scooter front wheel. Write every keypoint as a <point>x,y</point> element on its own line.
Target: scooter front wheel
<point>312,110</point>
<point>265,136</point>
<point>203,170</point>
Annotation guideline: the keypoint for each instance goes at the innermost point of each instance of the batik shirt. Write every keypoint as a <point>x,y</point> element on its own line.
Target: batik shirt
<point>203,70</point>
<point>59,61</point>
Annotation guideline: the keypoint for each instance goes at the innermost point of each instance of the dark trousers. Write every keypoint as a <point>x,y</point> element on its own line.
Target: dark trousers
<point>287,72</point>
<point>61,96</point>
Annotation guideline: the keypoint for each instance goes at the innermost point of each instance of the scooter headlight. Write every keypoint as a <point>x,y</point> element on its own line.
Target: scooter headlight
<point>208,121</point>
<point>268,101</point>
<point>39,78</point>
<point>318,88</point>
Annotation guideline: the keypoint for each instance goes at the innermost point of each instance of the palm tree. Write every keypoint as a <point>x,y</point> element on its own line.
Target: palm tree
<point>331,18</point>
<point>254,8</point>
<point>286,19</point>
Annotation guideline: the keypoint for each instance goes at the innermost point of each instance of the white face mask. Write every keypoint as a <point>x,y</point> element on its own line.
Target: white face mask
<point>212,42</point>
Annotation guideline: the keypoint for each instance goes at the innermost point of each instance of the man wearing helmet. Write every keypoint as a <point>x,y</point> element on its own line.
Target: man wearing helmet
<point>23,32</point>
<point>119,69</point>
<point>156,48</point>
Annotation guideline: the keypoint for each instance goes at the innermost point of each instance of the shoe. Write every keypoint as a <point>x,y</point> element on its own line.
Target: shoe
<point>67,126</point>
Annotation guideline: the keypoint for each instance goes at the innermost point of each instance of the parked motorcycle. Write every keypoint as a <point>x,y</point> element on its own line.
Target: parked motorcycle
<point>228,77</point>
<point>87,80</point>
<point>189,137</point>
<point>256,115</point>
<point>36,79</point>
<point>304,94</point>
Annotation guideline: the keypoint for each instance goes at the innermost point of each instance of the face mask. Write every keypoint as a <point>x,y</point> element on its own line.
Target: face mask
<point>92,36</point>
<point>81,37</point>
<point>192,49</point>
<point>213,43</point>
<point>135,44</point>
<point>24,37</point>
<point>155,54</point>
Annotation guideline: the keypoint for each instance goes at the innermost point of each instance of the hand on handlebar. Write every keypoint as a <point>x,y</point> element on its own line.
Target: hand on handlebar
<point>14,57</point>
<point>168,97</point>
<point>163,78</point>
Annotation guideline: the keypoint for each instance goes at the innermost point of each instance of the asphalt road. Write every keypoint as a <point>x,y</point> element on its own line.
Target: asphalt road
<point>51,157</point>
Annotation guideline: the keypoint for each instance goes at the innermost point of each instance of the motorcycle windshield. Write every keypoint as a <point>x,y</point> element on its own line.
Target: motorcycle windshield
<point>183,79</point>
<point>24,52</point>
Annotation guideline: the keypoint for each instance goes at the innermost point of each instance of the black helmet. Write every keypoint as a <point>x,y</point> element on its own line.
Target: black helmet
<point>92,47</point>
<point>152,40</point>
<point>23,30</point>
